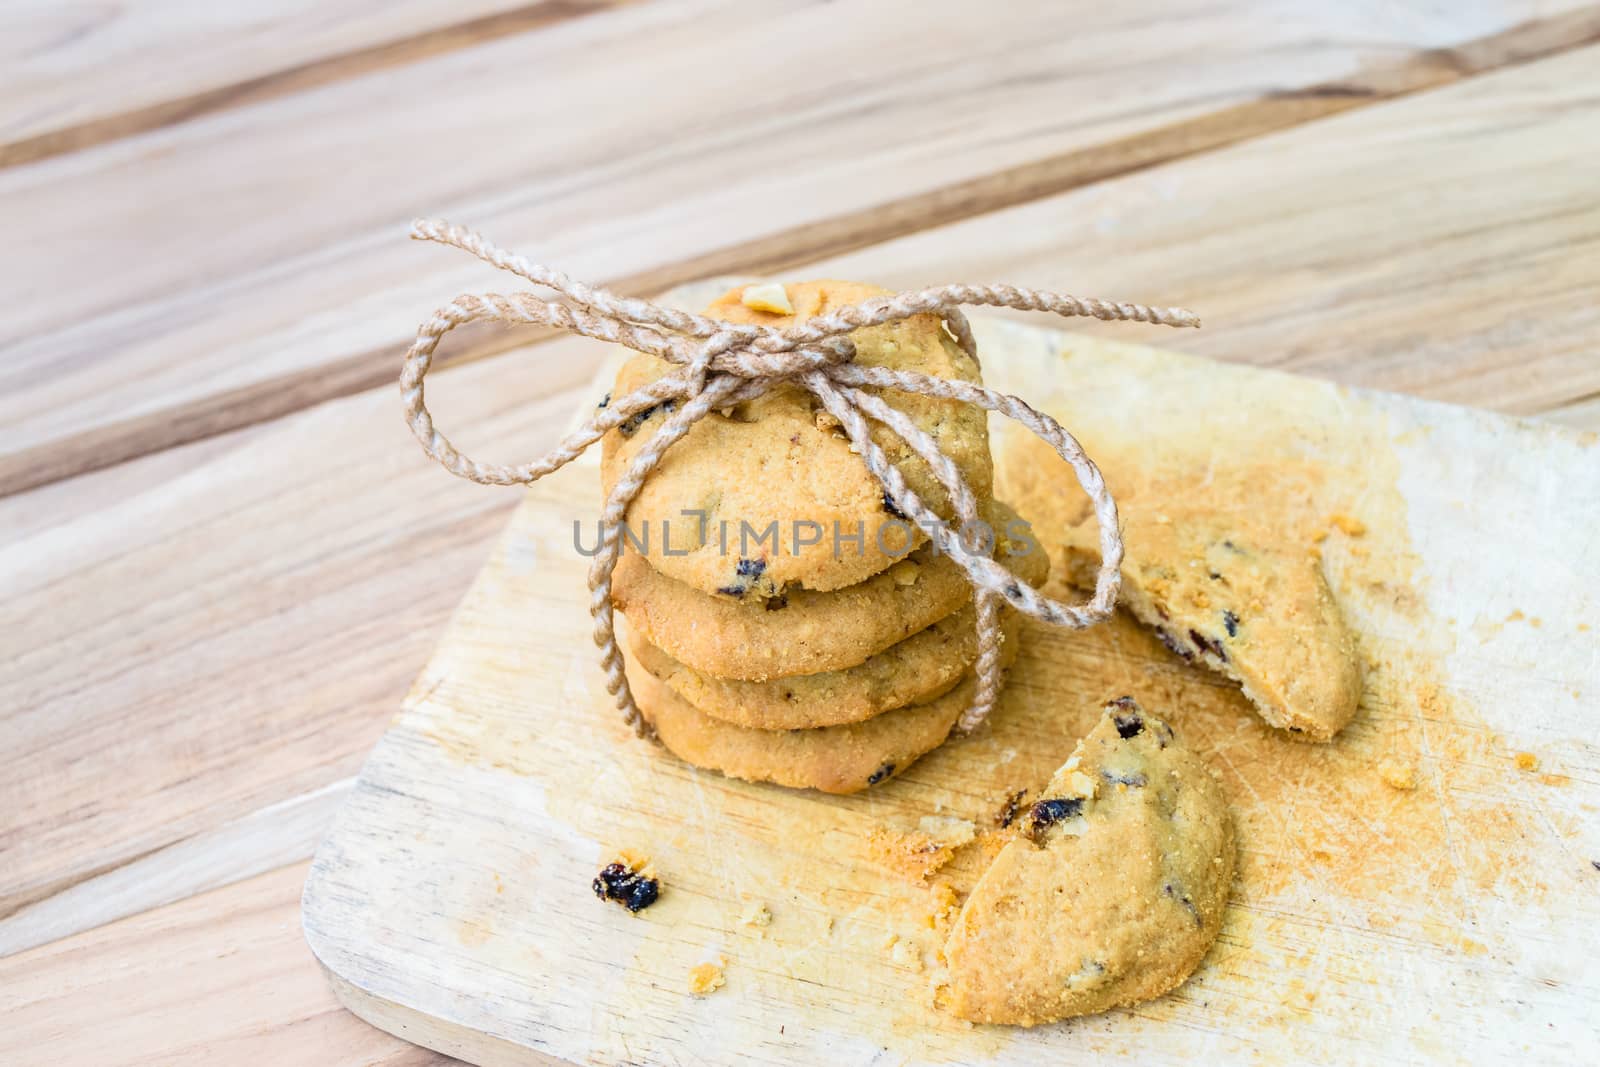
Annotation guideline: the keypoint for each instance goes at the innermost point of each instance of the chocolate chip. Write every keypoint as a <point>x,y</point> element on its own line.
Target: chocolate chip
<point>1008,811</point>
<point>1215,577</point>
<point>1595,864</point>
<point>1172,643</point>
<point>1231,547</point>
<point>1163,733</point>
<point>630,425</point>
<point>893,509</point>
<point>1230,622</point>
<point>1049,812</point>
<point>1205,645</point>
<point>627,887</point>
<point>745,571</point>
<point>1013,591</point>
<point>604,401</point>
<point>1135,780</point>
<point>777,603</point>
<point>880,774</point>
<point>1183,898</point>
<point>1129,724</point>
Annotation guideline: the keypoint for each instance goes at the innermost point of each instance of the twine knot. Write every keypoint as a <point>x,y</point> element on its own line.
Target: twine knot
<point>724,363</point>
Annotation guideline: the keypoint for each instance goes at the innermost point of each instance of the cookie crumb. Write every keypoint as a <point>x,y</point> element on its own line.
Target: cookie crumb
<point>946,905</point>
<point>770,296</point>
<point>756,914</point>
<point>905,954</point>
<point>1348,523</point>
<point>947,830</point>
<point>706,978</point>
<point>916,855</point>
<point>1398,774</point>
<point>1526,761</point>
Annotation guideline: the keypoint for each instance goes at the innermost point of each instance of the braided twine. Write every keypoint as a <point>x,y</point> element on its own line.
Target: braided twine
<point>725,363</point>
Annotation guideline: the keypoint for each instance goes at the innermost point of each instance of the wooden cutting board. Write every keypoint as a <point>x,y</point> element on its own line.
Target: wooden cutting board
<point>1455,920</point>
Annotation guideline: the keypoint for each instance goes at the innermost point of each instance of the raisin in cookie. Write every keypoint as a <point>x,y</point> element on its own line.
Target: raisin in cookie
<point>925,665</point>
<point>1112,891</point>
<point>833,759</point>
<point>1257,612</point>
<point>803,631</point>
<point>751,473</point>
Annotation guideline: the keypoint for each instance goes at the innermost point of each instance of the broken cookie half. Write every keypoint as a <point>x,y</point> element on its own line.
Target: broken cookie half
<point>1254,611</point>
<point>1111,893</point>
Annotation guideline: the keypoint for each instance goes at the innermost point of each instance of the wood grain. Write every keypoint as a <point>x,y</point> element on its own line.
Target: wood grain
<point>213,334</point>
<point>277,558</point>
<point>79,75</point>
<point>264,840</point>
<point>1336,249</point>
<point>168,630</point>
<point>453,889</point>
<point>220,977</point>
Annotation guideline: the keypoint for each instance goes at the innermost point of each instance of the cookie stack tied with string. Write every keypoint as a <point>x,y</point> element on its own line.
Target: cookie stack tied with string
<point>787,623</point>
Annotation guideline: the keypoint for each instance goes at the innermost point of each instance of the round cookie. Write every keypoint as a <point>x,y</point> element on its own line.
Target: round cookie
<point>1255,611</point>
<point>731,506</point>
<point>925,665</point>
<point>833,759</point>
<point>807,632</point>
<point>1112,890</point>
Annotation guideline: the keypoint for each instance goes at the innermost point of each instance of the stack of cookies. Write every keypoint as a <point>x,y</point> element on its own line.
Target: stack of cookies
<point>786,623</point>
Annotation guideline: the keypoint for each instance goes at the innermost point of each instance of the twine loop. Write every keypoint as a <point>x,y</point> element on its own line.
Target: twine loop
<point>724,363</point>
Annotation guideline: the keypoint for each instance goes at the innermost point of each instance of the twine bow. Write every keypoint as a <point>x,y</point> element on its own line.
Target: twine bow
<point>725,363</point>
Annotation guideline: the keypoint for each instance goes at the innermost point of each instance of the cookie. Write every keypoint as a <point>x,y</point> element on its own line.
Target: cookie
<point>833,759</point>
<point>808,632</point>
<point>925,665</point>
<point>1257,612</point>
<point>768,494</point>
<point>1112,890</point>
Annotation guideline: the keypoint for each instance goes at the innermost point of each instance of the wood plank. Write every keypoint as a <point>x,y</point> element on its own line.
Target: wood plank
<point>220,978</point>
<point>277,835</point>
<point>1446,245</point>
<point>80,74</point>
<point>208,642</point>
<point>210,334</point>
<point>226,629</point>
<point>454,887</point>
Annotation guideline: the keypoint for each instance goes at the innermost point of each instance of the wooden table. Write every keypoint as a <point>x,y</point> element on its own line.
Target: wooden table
<point>224,559</point>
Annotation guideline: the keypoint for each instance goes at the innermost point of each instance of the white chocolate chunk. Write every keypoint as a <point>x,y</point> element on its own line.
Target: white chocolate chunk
<point>770,296</point>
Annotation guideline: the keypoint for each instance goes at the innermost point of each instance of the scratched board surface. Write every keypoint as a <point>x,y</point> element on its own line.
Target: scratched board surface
<point>1425,887</point>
